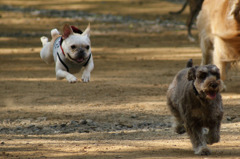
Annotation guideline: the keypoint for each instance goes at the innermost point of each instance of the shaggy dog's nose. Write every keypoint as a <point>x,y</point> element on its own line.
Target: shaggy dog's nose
<point>213,85</point>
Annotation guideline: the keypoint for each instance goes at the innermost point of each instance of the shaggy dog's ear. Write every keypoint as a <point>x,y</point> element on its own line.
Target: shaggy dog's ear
<point>192,73</point>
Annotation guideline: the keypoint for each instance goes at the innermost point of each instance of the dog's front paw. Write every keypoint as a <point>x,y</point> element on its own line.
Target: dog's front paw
<point>212,139</point>
<point>71,78</point>
<point>191,38</point>
<point>86,77</point>
<point>203,151</point>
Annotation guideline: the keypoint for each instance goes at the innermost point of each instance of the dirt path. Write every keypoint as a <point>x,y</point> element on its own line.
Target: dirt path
<point>122,113</point>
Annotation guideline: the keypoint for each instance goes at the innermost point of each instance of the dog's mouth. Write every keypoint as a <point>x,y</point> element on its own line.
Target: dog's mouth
<point>78,60</point>
<point>211,95</point>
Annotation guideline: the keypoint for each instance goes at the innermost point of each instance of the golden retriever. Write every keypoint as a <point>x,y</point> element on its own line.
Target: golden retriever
<point>219,32</point>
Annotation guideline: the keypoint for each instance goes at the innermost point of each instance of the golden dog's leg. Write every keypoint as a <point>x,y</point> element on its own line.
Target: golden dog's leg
<point>207,51</point>
<point>219,63</point>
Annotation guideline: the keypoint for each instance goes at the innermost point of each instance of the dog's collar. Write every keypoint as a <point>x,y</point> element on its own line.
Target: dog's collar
<point>87,60</point>
<point>61,40</point>
<point>63,62</point>
<point>57,44</point>
<point>194,89</point>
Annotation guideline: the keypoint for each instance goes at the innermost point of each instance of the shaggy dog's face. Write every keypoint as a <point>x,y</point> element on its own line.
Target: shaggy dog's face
<point>206,80</point>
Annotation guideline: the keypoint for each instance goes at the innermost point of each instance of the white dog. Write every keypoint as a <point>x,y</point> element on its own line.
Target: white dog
<point>70,52</point>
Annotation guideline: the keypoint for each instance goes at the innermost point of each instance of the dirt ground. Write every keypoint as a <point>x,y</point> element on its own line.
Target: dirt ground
<point>137,49</point>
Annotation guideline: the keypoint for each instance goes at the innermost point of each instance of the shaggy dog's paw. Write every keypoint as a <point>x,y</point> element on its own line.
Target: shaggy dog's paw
<point>203,151</point>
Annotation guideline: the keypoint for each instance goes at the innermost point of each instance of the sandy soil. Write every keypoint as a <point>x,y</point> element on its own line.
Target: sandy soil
<point>135,60</point>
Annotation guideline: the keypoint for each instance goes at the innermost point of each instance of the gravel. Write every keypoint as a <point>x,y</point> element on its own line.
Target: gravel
<point>76,14</point>
<point>143,25</point>
<point>31,126</point>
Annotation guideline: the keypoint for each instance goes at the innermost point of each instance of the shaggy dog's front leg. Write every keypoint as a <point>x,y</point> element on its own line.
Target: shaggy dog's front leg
<point>213,135</point>
<point>197,138</point>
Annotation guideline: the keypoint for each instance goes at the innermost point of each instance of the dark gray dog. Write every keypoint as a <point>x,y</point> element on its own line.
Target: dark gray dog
<point>194,99</point>
<point>195,7</point>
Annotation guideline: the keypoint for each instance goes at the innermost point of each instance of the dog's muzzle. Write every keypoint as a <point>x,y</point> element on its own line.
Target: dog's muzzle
<point>212,91</point>
<point>213,85</point>
<point>79,57</point>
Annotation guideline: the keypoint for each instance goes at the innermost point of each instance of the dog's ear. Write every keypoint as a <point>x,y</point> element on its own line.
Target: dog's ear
<point>189,63</point>
<point>87,31</point>
<point>76,30</point>
<point>192,74</point>
<point>67,31</point>
<point>235,10</point>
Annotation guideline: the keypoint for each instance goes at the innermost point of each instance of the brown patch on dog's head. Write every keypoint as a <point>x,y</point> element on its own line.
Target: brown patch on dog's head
<point>67,31</point>
<point>76,30</point>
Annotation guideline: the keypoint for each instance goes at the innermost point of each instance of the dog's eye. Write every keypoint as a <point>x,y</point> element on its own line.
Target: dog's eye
<point>217,75</point>
<point>203,75</point>
<point>87,47</point>
<point>73,47</point>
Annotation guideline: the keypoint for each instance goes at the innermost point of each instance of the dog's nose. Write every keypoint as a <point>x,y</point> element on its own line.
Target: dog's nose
<point>213,85</point>
<point>81,51</point>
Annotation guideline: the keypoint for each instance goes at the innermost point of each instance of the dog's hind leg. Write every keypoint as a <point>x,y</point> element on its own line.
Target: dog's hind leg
<point>181,10</point>
<point>44,40</point>
<point>195,7</point>
<point>45,53</point>
<point>220,64</point>
<point>189,27</point>
<point>207,50</point>
<point>219,54</point>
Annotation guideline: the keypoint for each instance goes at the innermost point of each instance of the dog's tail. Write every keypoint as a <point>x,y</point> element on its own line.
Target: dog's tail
<point>189,63</point>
